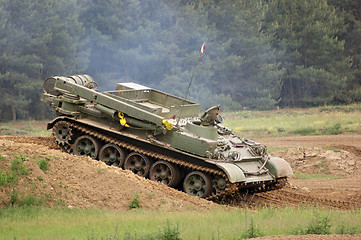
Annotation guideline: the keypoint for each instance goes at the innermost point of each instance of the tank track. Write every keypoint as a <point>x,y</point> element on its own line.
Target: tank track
<point>230,189</point>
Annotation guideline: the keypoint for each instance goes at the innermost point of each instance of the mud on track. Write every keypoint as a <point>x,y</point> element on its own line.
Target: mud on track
<point>83,182</point>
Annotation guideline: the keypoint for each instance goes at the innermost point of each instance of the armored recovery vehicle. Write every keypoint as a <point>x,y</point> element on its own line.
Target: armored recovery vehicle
<point>160,137</point>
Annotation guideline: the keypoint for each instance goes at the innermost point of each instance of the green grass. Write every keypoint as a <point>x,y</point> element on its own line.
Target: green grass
<point>135,202</point>
<point>296,122</point>
<point>317,176</point>
<point>42,162</point>
<point>24,128</point>
<point>18,166</point>
<point>64,223</point>
<point>7,178</point>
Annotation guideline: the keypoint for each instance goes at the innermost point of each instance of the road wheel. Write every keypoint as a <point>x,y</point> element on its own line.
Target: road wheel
<point>165,172</point>
<point>137,163</point>
<point>112,154</point>
<point>197,184</point>
<point>219,184</point>
<point>86,146</point>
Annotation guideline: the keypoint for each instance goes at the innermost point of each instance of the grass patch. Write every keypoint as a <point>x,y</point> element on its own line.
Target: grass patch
<point>305,131</point>
<point>345,229</point>
<point>318,225</point>
<point>18,166</point>
<point>43,162</point>
<point>167,232</point>
<point>48,223</point>
<point>24,128</point>
<point>317,176</point>
<point>14,197</point>
<point>7,178</point>
<point>135,202</point>
<point>295,122</point>
<point>28,200</point>
<point>334,149</point>
<point>333,130</point>
<point>274,149</point>
<point>252,231</point>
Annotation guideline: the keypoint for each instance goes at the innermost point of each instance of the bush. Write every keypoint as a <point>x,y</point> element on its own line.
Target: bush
<point>318,225</point>
<point>334,130</point>
<point>135,202</point>
<point>169,233</point>
<point>18,167</point>
<point>252,232</point>
<point>14,197</point>
<point>166,233</point>
<point>31,200</point>
<point>305,131</point>
<point>342,229</point>
<point>7,178</point>
<point>43,163</point>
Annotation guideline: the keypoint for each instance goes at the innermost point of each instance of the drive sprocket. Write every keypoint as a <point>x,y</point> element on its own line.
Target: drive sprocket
<point>62,133</point>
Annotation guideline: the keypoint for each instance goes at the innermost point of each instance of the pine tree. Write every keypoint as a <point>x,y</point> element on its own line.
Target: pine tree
<point>245,66</point>
<point>351,10</point>
<point>39,39</point>
<point>315,61</point>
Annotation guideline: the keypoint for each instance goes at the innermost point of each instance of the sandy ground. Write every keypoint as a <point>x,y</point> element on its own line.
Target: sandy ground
<point>82,182</point>
<point>337,158</point>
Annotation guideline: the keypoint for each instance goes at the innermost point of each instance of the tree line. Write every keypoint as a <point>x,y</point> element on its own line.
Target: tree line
<point>260,54</point>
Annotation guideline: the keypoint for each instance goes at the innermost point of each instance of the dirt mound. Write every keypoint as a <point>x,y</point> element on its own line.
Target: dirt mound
<point>76,181</point>
<point>326,174</point>
<point>317,160</point>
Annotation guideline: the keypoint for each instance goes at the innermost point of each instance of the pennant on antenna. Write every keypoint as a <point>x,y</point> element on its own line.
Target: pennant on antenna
<point>203,48</point>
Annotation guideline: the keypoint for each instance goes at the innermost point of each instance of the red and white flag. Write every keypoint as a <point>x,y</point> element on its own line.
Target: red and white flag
<point>203,48</point>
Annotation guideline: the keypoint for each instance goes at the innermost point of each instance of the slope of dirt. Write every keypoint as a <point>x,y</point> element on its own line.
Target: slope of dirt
<point>82,182</point>
<point>335,162</point>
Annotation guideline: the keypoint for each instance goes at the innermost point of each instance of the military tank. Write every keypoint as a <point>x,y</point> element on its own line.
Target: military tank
<point>158,136</point>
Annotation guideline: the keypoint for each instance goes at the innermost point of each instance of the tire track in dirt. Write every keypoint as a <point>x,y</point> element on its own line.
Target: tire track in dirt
<point>290,197</point>
<point>341,191</point>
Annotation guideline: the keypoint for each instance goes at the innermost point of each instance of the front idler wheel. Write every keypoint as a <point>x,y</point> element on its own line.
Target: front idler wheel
<point>86,146</point>
<point>137,163</point>
<point>165,172</point>
<point>112,154</point>
<point>219,184</point>
<point>197,184</point>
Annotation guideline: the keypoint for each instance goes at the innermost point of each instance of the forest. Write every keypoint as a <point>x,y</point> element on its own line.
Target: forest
<point>259,54</point>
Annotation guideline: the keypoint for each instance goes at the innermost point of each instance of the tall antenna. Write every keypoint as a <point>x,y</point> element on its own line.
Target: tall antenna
<point>203,48</point>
